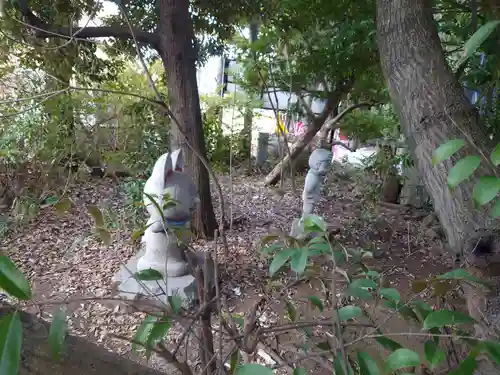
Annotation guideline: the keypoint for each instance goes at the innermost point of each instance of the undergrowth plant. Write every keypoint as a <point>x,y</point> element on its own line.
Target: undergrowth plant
<point>132,189</point>
<point>487,187</point>
<point>352,323</point>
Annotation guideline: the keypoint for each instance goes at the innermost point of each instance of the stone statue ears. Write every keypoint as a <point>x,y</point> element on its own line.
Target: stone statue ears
<point>174,160</point>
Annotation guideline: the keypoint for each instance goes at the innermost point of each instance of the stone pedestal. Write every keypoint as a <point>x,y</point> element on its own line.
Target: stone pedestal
<point>127,287</point>
<point>262,149</point>
<point>413,192</point>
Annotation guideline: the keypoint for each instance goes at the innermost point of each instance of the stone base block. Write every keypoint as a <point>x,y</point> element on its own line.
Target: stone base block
<point>127,287</point>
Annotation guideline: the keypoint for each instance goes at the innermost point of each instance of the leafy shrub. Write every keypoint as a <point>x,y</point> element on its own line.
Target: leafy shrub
<point>220,147</point>
<point>132,190</point>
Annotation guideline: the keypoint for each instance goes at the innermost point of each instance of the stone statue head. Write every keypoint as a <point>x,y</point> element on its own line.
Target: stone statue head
<point>320,160</point>
<point>169,182</point>
<point>180,188</point>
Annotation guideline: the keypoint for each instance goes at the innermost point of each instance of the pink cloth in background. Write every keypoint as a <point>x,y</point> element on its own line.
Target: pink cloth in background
<point>338,136</point>
<point>300,128</point>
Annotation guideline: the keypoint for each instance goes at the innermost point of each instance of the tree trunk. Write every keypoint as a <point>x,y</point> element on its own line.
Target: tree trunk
<point>81,357</point>
<point>432,108</point>
<point>246,138</point>
<point>273,177</point>
<point>179,59</point>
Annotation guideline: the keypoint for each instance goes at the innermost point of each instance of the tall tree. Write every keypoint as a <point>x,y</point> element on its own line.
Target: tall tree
<point>167,29</point>
<point>433,109</point>
<point>179,59</point>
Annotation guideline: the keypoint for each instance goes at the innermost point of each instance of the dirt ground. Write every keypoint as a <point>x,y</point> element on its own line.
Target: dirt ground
<point>64,259</point>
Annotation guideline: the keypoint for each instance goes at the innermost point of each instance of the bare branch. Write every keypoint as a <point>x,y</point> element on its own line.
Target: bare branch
<point>342,114</point>
<point>43,30</point>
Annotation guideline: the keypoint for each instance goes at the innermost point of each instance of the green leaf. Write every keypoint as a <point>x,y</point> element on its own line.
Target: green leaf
<point>299,371</point>
<point>463,170</point>
<point>386,342</point>
<point>367,364</point>
<point>175,303</point>
<point>156,205</point>
<point>349,312</point>
<point>422,309</point>
<point>159,331</point>
<point>50,201</point>
<point>372,274</point>
<point>12,280</point>
<point>272,248</point>
<point>446,150</point>
<point>475,41</point>
<point>442,318</point>
<point>315,301</point>
<point>390,294</point>
<point>140,232</point>
<point>314,223</point>
<point>495,211</point>
<point>57,333</point>
<point>339,365</point>
<point>268,239</point>
<point>299,260</point>
<point>96,214</point>
<point>148,275</point>
<point>234,361</point>
<point>142,334</point>
<point>461,274</point>
<point>253,369</point>
<point>467,366</point>
<point>495,155</point>
<point>433,353</point>
<point>402,358</point>
<point>291,311</point>
<point>492,349</point>
<point>104,235</point>
<point>280,258</point>
<point>63,206</point>
<point>361,288</point>
<point>486,189</point>
<point>11,338</point>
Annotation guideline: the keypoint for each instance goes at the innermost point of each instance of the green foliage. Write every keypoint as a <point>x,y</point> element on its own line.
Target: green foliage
<point>57,333</point>
<point>132,189</point>
<point>486,188</point>
<point>11,338</point>
<point>12,280</point>
<point>475,41</point>
<point>222,142</point>
<point>253,369</point>
<point>365,288</point>
<point>371,124</point>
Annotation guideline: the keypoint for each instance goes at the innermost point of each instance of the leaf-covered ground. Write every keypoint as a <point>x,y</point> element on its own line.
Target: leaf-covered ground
<point>64,259</point>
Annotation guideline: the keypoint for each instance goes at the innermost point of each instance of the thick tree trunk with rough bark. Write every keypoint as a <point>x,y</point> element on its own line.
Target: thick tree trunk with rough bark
<point>81,357</point>
<point>432,108</point>
<point>176,39</point>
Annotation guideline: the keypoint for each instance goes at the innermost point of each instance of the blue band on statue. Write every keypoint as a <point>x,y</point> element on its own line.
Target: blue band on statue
<point>176,223</point>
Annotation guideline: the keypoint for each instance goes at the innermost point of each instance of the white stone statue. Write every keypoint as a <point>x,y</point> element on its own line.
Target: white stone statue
<point>161,244</point>
<point>319,163</point>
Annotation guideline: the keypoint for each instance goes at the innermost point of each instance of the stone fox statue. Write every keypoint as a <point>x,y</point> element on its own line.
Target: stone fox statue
<point>168,182</point>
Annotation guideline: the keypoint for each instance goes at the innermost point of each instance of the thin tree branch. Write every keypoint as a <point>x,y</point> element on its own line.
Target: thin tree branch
<point>43,30</point>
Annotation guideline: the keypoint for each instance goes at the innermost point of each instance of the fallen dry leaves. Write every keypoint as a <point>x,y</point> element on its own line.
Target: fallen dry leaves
<point>64,259</point>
